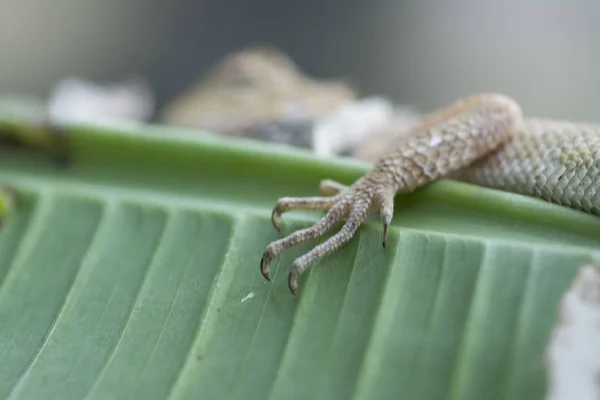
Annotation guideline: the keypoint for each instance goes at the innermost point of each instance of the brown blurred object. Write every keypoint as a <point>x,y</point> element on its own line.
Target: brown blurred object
<point>256,86</point>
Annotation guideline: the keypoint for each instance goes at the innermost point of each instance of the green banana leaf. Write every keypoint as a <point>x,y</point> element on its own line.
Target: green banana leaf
<point>132,272</point>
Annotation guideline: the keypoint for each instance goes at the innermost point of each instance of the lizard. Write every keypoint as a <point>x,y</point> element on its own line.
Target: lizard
<point>483,139</point>
<point>253,87</point>
<point>261,93</point>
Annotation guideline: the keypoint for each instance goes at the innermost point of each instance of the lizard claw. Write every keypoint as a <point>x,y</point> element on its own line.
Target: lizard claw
<point>385,228</point>
<point>276,219</point>
<point>264,265</point>
<point>292,282</point>
<point>386,210</point>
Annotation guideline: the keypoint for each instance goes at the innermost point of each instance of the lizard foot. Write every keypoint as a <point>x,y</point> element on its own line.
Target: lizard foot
<point>445,141</point>
<point>354,203</point>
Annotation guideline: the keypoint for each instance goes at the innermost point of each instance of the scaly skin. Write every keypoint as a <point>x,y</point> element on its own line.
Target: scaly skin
<point>482,139</point>
<point>556,161</point>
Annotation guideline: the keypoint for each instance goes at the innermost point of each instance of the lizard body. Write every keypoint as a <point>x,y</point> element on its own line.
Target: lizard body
<point>482,139</point>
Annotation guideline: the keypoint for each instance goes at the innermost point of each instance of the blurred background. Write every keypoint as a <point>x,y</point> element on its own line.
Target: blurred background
<point>545,54</point>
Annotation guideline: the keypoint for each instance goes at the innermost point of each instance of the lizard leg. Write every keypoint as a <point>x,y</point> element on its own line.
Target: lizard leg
<point>299,203</point>
<point>333,216</point>
<point>445,141</point>
<point>328,187</point>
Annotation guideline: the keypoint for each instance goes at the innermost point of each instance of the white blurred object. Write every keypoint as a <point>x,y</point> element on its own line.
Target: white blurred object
<point>79,101</point>
<point>350,124</point>
<point>573,353</point>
